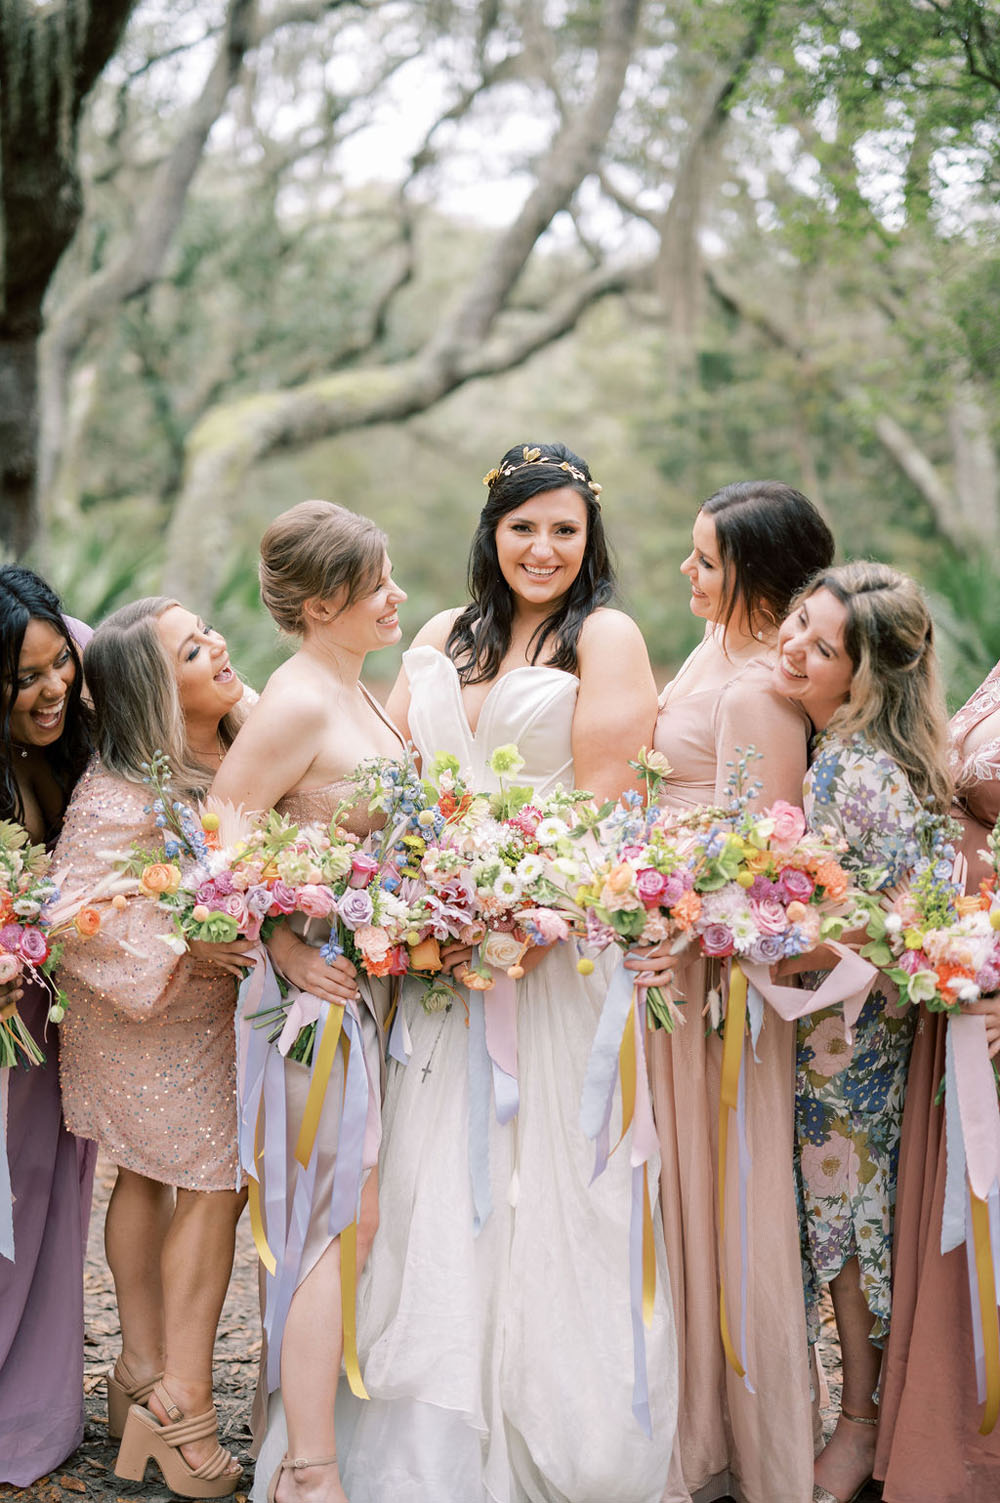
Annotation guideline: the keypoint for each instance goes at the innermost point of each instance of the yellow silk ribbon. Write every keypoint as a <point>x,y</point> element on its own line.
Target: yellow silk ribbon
<point>627,1072</point>
<point>987,1310</point>
<point>732,1056</point>
<point>260,1241</point>
<point>348,1298</point>
<point>317,1085</point>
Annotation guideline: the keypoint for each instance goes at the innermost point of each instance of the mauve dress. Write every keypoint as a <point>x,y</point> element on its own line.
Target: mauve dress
<point>929,1446</point>
<point>41,1292</point>
<point>756,1447</point>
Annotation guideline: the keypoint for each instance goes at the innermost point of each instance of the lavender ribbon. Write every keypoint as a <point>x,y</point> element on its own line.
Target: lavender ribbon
<point>602,1067</point>
<point>400,1043</point>
<point>6,1194</point>
<point>480,1067</point>
<point>500,1022</point>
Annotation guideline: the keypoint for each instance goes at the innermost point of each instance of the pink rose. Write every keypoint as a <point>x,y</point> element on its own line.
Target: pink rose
<point>912,961</point>
<point>10,966</point>
<point>282,898</point>
<point>235,905</point>
<point>789,825</point>
<point>316,901</point>
<point>630,852</point>
<point>650,885</point>
<point>769,915</point>
<point>34,946</point>
<point>208,894</point>
<point>676,885</point>
<point>795,886</point>
<point>363,868</point>
<point>550,925</point>
<point>717,939</point>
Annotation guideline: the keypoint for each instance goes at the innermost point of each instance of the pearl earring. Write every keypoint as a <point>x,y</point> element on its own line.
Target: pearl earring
<point>759,635</point>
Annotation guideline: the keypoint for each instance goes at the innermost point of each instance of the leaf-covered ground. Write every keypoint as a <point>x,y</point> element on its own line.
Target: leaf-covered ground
<point>89,1472</point>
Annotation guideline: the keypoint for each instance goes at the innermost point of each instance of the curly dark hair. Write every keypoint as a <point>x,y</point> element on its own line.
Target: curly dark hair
<point>481,634</point>
<point>25,597</point>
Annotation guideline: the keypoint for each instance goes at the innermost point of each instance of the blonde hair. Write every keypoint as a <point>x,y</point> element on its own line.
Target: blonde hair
<point>313,552</point>
<point>896,699</point>
<point>137,705</point>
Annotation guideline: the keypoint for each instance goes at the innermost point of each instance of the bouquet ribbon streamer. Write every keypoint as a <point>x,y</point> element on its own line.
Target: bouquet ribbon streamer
<point>279,1232</point>
<point>492,1075</point>
<point>618,1055</point>
<point>750,985</point>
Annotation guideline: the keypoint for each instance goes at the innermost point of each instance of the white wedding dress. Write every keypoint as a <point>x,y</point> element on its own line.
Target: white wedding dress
<point>500,1364</point>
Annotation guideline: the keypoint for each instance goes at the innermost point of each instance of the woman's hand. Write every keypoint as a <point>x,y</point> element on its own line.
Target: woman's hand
<point>655,963</point>
<point>988,1008</point>
<point>455,958</point>
<point>10,992</point>
<point>304,967</point>
<point>233,956</point>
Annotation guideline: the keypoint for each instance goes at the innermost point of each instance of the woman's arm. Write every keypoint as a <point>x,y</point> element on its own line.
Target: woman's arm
<point>616,706</point>
<point>275,747</point>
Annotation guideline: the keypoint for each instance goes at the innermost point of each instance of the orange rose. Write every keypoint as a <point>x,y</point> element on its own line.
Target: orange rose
<point>686,909</point>
<point>160,879</point>
<point>87,922</point>
<point>620,879</point>
<point>426,956</point>
<point>758,862</point>
<point>831,876</point>
<point>476,981</point>
<point>970,903</point>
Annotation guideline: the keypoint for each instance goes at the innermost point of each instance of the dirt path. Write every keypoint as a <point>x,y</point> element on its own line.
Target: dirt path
<point>89,1472</point>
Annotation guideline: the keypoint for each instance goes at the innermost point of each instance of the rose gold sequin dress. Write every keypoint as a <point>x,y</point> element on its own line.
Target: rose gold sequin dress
<point>148,1044</point>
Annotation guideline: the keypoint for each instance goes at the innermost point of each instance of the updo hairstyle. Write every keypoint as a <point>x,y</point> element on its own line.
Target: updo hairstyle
<point>315,551</point>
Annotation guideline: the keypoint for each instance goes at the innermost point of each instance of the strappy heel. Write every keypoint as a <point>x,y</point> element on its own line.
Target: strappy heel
<point>123,1392</point>
<point>295,1464</point>
<point>146,1439</point>
<point>823,1494</point>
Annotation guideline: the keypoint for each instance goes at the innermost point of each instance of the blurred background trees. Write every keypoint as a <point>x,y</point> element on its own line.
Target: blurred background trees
<point>358,249</point>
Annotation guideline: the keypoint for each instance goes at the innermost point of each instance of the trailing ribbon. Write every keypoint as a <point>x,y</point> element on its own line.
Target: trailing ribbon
<point>279,1230</point>
<point>479,1114</point>
<point>729,1098</point>
<point>6,1194</point>
<point>972,1193</point>
<point>500,1018</point>
<point>400,1043</point>
<point>618,1055</point>
<point>849,982</point>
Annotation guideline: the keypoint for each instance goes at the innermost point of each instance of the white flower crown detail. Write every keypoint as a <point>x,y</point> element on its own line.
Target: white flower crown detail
<point>535,456</point>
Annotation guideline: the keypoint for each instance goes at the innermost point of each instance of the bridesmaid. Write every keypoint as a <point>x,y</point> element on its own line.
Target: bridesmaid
<point>326,579</point>
<point>149,1060</point>
<point>45,741</point>
<point>857,654</point>
<point>754,545</point>
<point>929,1443</point>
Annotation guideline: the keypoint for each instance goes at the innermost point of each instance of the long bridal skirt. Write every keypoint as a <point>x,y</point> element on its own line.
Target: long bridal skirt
<point>41,1292</point>
<point>929,1446</point>
<point>500,1365</point>
<point>755,1446</point>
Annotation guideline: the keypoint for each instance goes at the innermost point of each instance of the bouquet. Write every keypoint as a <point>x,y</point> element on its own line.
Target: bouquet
<point>33,914</point>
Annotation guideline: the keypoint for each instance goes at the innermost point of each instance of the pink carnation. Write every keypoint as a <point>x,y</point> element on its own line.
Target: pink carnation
<point>372,942</point>
<point>526,820</point>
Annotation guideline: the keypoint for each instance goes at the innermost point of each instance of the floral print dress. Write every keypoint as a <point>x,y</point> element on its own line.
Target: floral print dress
<point>849,1097</point>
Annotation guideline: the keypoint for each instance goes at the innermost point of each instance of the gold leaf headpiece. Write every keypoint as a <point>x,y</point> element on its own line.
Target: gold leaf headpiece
<point>535,456</point>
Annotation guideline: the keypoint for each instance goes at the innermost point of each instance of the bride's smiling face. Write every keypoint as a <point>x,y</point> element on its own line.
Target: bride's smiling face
<point>541,545</point>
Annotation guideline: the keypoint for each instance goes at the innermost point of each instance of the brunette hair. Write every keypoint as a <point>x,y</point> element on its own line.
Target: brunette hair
<point>317,550</point>
<point>25,597</point>
<point>137,705</point>
<point>895,699</point>
<point>771,539</point>
<point>480,635</point>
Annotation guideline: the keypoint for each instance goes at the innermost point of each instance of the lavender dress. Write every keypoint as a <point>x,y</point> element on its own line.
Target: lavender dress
<point>41,1292</point>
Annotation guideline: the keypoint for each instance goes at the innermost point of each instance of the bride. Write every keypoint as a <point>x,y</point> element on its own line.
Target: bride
<point>500,1361</point>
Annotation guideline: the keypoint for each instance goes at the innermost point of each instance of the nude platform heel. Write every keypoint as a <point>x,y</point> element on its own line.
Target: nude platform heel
<point>124,1391</point>
<point>146,1439</point>
<point>295,1464</point>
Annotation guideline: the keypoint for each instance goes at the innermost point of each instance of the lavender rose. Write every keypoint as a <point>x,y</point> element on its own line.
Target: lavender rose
<point>768,949</point>
<point>355,908</point>
<point>796,886</point>
<point>282,898</point>
<point>34,946</point>
<point>209,894</point>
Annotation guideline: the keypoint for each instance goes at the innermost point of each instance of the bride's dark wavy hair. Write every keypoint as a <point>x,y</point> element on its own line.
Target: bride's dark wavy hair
<point>25,597</point>
<point>481,634</point>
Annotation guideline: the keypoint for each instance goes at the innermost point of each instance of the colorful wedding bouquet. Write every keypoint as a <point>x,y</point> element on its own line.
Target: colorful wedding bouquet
<point>481,868</point>
<point>940,946</point>
<point>33,914</point>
